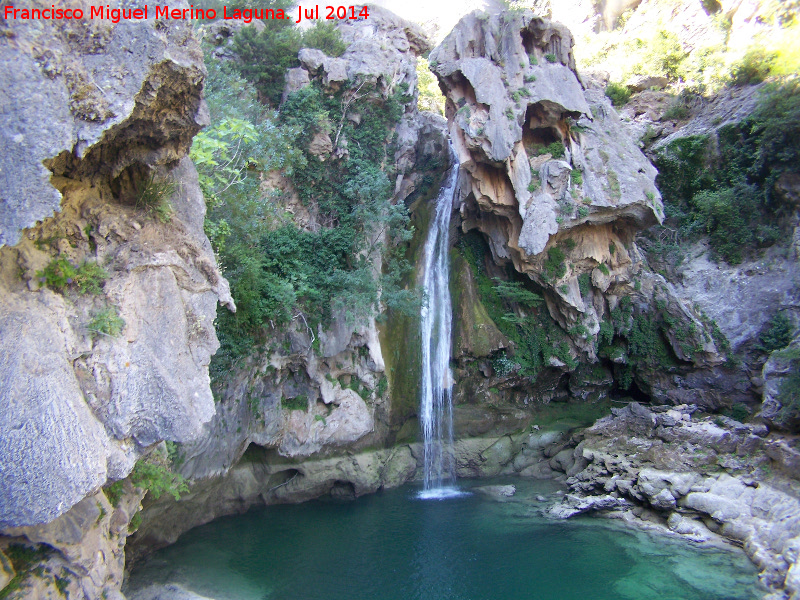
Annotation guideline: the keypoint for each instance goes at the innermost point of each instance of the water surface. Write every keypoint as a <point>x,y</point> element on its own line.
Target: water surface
<point>395,546</point>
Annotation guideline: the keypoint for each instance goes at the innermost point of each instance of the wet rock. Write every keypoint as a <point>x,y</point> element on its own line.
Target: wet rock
<point>496,492</point>
<point>168,591</point>
<point>575,505</point>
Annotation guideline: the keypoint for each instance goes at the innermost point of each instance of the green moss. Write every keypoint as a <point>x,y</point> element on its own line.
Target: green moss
<point>26,561</point>
<point>554,267</point>
<point>299,402</point>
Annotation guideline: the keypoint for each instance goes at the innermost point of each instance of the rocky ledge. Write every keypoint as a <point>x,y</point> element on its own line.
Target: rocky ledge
<point>698,476</point>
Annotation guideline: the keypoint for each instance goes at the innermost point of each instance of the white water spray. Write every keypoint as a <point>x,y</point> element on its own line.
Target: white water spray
<point>436,407</point>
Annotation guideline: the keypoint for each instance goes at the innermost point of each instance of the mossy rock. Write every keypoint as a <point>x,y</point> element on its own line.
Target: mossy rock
<point>474,332</point>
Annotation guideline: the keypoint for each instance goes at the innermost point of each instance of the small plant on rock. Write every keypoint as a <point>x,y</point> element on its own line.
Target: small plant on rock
<point>551,58</point>
<point>106,322</point>
<point>61,273</point>
<point>154,198</point>
<point>618,93</point>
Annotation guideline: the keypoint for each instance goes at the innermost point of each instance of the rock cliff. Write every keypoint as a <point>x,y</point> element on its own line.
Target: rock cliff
<point>109,286</point>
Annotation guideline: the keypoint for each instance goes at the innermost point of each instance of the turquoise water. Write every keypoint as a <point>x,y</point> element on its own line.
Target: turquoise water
<point>393,546</point>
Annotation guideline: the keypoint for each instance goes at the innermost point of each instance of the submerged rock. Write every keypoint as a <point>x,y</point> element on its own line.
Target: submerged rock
<point>497,492</point>
<point>168,591</point>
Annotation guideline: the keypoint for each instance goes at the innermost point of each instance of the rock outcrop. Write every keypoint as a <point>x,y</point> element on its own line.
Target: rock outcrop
<point>558,190</point>
<point>698,476</point>
<point>108,284</point>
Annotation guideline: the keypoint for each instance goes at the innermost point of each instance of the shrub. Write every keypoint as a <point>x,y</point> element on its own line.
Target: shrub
<point>326,37</point>
<point>789,397</point>
<point>61,273</point>
<point>754,67</point>
<point>551,58</point>
<point>603,269</point>
<point>299,402</point>
<point>502,365</point>
<point>554,266</point>
<point>725,188</point>
<point>157,479</point>
<point>585,283</point>
<point>264,57</point>
<point>154,198</point>
<point>618,93</point>
<point>777,333</point>
<point>583,211</point>
<point>576,176</point>
<point>106,322</point>
<point>676,110</point>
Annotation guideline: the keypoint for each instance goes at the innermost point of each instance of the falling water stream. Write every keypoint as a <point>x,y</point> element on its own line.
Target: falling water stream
<point>436,411</point>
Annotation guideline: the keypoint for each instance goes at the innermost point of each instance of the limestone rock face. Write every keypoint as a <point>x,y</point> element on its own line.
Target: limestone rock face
<point>87,94</point>
<point>93,377</point>
<point>512,93</point>
<point>704,477</point>
<point>558,191</point>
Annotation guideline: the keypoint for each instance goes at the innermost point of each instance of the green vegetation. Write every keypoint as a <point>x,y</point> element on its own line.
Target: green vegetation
<point>554,267</point>
<point>777,333</point>
<point>151,475</point>
<point>279,271</point>
<point>430,96</point>
<point>154,198</point>
<point>724,188</point>
<point>25,560</point>
<point>551,58</point>
<point>299,402</point>
<point>585,283</point>
<point>618,93</point>
<point>106,321</point>
<point>576,176</point>
<point>61,273</point>
<point>520,314</point>
<point>555,150</point>
<point>640,335</point>
<point>157,478</point>
<point>651,47</point>
<point>324,36</point>
<point>789,397</point>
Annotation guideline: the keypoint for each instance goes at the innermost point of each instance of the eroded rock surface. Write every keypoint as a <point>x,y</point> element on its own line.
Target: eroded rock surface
<point>107,306</point>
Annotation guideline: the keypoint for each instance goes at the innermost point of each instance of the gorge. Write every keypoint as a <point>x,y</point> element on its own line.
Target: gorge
<point>597,268</point>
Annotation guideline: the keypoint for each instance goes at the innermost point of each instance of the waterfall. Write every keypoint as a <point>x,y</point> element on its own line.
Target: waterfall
<point>436,409</point>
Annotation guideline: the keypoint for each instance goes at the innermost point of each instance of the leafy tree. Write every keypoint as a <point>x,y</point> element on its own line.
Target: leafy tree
<point>777,334</point>
<point>264,57</point>
<point>326,37</point>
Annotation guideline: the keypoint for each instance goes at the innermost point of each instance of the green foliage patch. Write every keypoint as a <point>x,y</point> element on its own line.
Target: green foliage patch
<point>157,479</point>
<point>777,333</point>
<point>519,313</point>
<point>277,269</point>
<point>62,273</point>
<point>724,187</point>
<point>106,321</point>
<point>618,94</point>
